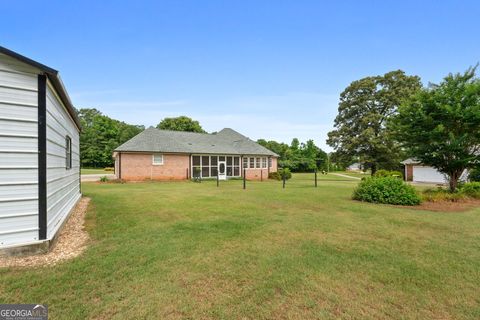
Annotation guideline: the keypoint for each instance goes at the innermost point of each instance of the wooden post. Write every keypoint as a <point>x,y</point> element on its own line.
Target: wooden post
<point>283,176</point>
<point>315,178</point>
<point>217,179</point>
<point>187,173</point>
<point>261,174</point>
<point>244,180</point>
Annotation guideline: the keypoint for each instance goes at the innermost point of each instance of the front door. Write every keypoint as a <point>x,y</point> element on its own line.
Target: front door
<point>222,170</point>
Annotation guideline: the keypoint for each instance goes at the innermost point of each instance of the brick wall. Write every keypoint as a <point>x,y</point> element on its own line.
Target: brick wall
<point>409,176</point>
<point>138,167</point>
<point>256,174</point>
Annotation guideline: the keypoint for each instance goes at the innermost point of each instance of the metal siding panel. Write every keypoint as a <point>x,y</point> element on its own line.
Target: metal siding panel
<point>18,111</point>
<point>60,115</point>
<point>12,224</point>
<point>18,128</point>
<point>23,81</point>
<point>18,144</point>
<point>15,96</point>
<point>17,87</point>
<point>17,191</point>
<point>19,237</point>
<point>57,221</point>
<point>13,176</point>
<point>18,160</point>
<point>63,189</point>
<point>17,207</point>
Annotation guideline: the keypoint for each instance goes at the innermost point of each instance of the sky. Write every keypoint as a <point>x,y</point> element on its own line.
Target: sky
<point>268,69</point>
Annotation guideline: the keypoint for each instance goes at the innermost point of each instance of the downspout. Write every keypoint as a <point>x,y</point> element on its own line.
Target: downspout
<point>189,175</point>
<point>120,166</point>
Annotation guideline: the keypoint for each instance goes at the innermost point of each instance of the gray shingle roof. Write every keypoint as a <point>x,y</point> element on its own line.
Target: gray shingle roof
<point>226,141</point>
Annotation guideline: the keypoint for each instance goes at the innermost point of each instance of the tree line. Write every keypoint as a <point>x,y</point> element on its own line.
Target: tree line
<point>299,156</point>
<point>102,134</point>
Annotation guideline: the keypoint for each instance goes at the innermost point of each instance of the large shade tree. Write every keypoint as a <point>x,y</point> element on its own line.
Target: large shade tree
<point>100,136</point>
<point>364,109</point>
<point>181,123</point>
<point>440,126</point>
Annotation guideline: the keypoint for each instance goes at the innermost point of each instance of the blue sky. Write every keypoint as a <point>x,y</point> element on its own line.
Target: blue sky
<point>269,69</point>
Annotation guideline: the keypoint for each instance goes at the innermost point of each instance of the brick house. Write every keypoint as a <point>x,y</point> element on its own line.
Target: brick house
<point>175,155</point>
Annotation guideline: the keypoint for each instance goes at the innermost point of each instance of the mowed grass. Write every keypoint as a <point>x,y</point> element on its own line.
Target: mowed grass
<point>183,250</point>
<point>95,171</point>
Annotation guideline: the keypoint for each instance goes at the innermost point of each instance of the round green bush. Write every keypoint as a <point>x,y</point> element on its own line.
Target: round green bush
<point>388,190</point>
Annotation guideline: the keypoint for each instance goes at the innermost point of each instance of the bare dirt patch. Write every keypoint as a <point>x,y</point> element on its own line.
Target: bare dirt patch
<point>447,206</point>
<point>70,243</point>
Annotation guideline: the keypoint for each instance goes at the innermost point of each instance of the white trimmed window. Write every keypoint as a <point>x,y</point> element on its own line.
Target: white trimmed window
<point>269,162</point>
<point>68,152</point>
<point>264,163</point>
<point>157,159</point>
<point>257,163</point>
<point>245,163</point>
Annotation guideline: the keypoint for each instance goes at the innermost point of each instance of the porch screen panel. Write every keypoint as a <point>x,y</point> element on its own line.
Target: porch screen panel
<point>196,166</point>
<point>236,166</point>
<point>213,166</point>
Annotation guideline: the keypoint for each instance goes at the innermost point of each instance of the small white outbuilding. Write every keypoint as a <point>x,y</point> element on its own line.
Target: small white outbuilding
<point>39,154</point>
<point>417,172</point>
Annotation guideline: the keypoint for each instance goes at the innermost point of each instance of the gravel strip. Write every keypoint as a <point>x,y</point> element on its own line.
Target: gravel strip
<point>70,243</point>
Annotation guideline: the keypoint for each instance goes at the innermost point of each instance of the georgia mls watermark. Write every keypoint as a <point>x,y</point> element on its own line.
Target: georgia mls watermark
<point>23,312</point>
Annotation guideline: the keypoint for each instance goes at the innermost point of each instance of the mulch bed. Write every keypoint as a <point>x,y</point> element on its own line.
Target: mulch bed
<point>71,242</point>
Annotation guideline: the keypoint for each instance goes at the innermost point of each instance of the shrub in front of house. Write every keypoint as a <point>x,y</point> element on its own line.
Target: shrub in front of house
<point>441,194</point>
<point>280,173</point>
<point>387,190</point>
<point>471,189</point>
<point>388,173</point>
<point>274,176</point>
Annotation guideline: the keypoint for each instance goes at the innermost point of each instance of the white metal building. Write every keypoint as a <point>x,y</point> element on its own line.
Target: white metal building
<point>39,153</point>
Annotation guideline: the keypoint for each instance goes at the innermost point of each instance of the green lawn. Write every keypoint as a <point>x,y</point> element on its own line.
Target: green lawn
<point>95,171</point>
<point>183,250</point>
